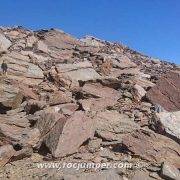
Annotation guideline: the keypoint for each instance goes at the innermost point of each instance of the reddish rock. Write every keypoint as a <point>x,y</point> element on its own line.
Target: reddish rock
<point>68,135</point>
<point>6,152</point>
<point>97,104</point>
<point>166,93</point>
<point>59,97</point>
<point>98,90</point>
<point>27,92</point>
<point>153,147</point>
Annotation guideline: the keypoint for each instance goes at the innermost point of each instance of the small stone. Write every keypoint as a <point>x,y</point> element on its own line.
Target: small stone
<point>94,144</point>
<point>128,95</point>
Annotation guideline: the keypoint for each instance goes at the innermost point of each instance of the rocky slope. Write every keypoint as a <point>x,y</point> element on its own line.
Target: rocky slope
<point>87,100</point>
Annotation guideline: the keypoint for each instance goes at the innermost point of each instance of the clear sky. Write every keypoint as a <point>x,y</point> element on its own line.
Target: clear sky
<point>149,26</point>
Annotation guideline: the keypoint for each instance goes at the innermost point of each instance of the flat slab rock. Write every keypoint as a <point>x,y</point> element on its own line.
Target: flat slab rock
<point>166,93</point>
<point>97,104</point>
<point>20,135</point>
<point>153,147</point>
<point>111,125</point>
<point>68,135</point>
<point>98,90</point>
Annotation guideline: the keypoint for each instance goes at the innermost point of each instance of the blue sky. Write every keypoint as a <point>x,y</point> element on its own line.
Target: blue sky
<point>149,26</point>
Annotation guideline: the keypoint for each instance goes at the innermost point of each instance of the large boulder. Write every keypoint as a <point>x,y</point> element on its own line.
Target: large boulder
<point>152,147</point>
<point>71,74</point>
<point>111,125</point>
<point>170,123</point>
<point>68,135</point>
<point>166,93</point>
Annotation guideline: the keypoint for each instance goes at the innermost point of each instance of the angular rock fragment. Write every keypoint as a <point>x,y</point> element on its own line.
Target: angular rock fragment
<point>6,153</point>
<point>170,172</point>
<point>139,91</point>
<point>4,43</point>
<point>153,147</point>
<point>97,90</point>
<point>20,135</point>
<point>166,92</point>
<point>110,125</point>
<point>170,123</point>
<point>59,97</point>
<point>97,104</point>
<point>68,135</point>
<point>47,121</point>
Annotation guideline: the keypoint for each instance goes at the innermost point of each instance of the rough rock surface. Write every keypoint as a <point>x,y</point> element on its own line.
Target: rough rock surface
<point>166,93</point>
<point>170,122</point>
<point>68,135</point>
<point>170,172</point>
<point>153,147</point>
<point>85,101</point>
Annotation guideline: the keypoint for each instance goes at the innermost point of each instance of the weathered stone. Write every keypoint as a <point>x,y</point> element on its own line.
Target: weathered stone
<point>33,105</point>
<point>23,153</point>
<point>92,41</point>
<point>30,137</point>
<point>97,90</point>
<point>47,121</point>
<point>128,95</point>
<point>41,46</point>
<point>18,119</point>
<point>6,152</point>
<point>94,144</point>
<point>111,125</point>
<point>30,41</point>
<point>97,104</point>
<point>170,122</point>
<point>20,135</point>
<point>153,147</point>
<point>4,43</point>
<point>139,91</point>
<point>166,92</point>
<point>68,135</point>
<point>57,39</point>
<point>59,97</point>
<point>170,172</point>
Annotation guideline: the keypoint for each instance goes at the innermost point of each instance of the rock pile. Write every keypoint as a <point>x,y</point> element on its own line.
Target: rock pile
<point>87,100</point>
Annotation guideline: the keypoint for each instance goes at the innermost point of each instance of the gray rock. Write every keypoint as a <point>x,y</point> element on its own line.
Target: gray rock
<point>4,43</point>
<point>140,91</point>
<point>170,122</point>
<point>170,172</point>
